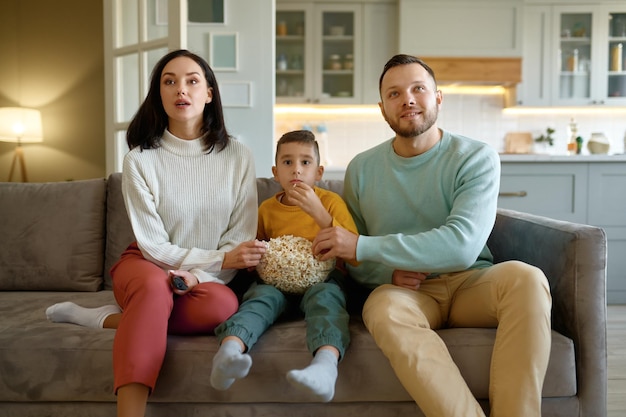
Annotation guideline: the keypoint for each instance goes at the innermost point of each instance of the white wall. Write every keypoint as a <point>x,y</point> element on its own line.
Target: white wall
<point>477,116</point>
<point>252,125</point>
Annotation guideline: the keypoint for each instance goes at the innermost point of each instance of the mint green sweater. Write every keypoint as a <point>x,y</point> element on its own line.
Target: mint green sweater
<point>430,213</point>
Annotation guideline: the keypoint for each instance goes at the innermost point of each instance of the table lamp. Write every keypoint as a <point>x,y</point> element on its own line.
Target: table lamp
<point>20,125</point>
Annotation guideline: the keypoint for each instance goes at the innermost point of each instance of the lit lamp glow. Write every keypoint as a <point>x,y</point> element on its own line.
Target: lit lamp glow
<point>20,125</point>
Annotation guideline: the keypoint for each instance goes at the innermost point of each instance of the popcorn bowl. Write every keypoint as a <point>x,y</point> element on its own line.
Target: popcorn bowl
<point>289,265</point>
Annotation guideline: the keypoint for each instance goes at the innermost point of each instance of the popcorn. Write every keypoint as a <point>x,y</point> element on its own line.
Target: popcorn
<point>289,265</point>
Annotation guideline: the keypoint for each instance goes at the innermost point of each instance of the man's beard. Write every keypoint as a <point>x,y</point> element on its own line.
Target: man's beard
<point>430,117</point>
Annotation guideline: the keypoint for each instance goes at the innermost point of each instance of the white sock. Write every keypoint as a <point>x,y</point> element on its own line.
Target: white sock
<point>69,312</point>
<point>319,377</point>
<point>229,364</point>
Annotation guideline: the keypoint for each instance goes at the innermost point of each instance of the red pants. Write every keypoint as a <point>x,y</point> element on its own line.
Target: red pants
<point>151,311</point>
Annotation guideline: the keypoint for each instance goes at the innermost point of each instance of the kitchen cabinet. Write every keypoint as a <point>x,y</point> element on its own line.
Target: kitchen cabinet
<point>607,209</point>
<point>589,190</point>
<point>536,57</point>
<point>574,55</point>
<point>318,53</point>
<point>488,28</point>
<point>554,190</point>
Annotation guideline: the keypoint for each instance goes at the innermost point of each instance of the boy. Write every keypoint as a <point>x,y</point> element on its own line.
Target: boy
<point>301,209</point>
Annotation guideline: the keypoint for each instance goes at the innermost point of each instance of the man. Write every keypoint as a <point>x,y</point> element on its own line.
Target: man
<point>424,203</point>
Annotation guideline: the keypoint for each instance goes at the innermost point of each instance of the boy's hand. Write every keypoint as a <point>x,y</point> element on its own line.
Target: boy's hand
<point>245,255</point>
<point>303,196</point>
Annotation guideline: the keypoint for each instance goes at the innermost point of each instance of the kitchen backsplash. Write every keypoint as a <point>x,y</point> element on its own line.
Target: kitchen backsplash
<point>477,116</point>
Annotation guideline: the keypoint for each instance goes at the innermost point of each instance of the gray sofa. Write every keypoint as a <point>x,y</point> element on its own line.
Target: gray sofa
<point>58,241</point>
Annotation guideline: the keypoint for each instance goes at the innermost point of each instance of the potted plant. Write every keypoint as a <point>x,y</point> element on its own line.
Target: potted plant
<point>545,140</point>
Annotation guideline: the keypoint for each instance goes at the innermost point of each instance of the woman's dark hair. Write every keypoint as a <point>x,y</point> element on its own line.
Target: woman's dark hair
<point>147,126</point>
<point>402,59</point>
<point>299,136</point>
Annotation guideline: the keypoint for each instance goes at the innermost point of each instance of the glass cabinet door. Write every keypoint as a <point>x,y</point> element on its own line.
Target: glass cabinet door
<point>575,53</point>
<point>317,53</point>
<point>293,53</point>
<point>337,73</point>
<point>616,65</point>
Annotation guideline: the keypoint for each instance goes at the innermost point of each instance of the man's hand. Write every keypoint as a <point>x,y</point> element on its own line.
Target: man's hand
<point>408,279</point>
<point>335,242</point>
<point>245,255</point>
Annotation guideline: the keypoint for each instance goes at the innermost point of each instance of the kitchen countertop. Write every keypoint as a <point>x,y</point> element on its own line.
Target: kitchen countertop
<point>338,172</point>
<point>509,157</point>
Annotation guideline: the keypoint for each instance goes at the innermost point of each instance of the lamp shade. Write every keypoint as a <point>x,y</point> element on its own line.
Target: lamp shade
<point>19,124</point>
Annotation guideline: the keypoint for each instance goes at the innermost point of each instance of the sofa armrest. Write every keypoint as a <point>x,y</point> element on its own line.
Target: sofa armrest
<point>573,257</point>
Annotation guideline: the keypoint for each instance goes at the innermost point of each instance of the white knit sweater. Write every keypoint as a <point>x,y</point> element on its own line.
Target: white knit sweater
<point>188,208</point>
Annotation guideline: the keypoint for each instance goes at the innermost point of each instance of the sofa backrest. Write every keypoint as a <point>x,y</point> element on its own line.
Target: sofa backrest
<point>118,229</point>
<point>52,235</point>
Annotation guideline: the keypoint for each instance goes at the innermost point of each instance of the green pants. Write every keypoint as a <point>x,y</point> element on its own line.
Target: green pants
<point>323,305</point>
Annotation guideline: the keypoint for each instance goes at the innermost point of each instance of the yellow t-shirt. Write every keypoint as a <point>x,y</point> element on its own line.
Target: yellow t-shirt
<point>277,219</point>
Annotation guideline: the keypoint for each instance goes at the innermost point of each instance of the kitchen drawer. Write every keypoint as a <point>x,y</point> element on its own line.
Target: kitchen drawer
<point>558,191</point>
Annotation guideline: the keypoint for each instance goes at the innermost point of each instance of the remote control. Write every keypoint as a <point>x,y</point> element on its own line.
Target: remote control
<point>179,283</point>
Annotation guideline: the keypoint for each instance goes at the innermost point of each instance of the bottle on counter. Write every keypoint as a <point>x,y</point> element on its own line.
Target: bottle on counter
<point>579,145</point>
<point>572,144</point>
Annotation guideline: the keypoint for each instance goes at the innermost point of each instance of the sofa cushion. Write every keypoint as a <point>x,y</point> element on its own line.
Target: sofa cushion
<point>52,235</point>
<point>46,361</point>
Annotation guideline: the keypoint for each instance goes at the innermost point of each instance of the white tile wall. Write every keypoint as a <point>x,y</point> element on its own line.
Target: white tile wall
<point>477,116</point>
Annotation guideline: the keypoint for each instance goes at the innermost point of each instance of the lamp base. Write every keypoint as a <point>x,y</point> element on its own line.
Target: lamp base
<point>18,157</point>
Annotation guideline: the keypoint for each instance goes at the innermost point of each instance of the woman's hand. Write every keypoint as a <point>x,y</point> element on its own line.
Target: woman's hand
<point>408,279</point>
<point>245,255</point>
<point>190,280</point>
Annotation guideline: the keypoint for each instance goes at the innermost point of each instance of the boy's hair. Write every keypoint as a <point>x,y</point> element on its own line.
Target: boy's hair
<point>305,137</point>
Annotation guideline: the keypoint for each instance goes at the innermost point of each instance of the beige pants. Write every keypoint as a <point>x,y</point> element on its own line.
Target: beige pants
<point>512,296</point>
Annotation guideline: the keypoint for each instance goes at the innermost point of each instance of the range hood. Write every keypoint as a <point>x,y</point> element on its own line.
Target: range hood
<point>476,71</point>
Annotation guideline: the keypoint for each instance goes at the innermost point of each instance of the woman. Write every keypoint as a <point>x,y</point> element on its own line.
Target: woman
<point>190,194</point>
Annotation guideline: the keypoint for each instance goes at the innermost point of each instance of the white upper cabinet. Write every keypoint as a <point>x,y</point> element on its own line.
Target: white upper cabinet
<point>574,56</point>
<point>537,57</point>
<point>320,54</point>
<point>489,28</point>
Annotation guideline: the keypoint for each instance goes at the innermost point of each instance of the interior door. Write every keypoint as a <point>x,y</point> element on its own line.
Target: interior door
<point>236,37</point>
<point>137,33</point>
